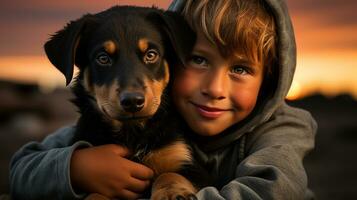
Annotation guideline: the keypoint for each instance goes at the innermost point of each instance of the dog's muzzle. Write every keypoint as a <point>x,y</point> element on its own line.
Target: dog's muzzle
<point>132,102</point>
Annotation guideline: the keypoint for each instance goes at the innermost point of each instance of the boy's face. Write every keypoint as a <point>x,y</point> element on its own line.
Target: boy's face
<point>212,92</point>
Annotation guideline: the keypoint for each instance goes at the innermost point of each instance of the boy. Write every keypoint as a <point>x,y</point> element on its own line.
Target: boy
<point>231,95</point>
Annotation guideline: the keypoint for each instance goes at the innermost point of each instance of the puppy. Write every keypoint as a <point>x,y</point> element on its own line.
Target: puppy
<point>124,56</point>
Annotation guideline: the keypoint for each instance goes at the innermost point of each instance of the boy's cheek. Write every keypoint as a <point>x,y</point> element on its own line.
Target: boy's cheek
<point>244,100</point>
<point>185,81</point>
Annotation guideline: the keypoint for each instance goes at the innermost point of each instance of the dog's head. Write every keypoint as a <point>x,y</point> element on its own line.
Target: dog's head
<point>124,56</point>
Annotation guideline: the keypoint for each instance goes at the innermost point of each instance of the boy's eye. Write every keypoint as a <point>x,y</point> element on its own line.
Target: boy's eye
<point>199,60</point>
<point>238,69</point>
<point>103,59</point>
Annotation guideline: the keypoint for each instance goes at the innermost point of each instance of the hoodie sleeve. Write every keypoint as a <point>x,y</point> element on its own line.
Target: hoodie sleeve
<point>273,167</point>
<point>41,170</point>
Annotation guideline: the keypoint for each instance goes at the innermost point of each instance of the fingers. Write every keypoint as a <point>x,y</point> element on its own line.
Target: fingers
<point>96,196</point>
<point>119,150</point>
<point>133,189</point>
<point>127,194</point>
<point>140,171</point>
<point>136,170</point>
<point>137,185</point>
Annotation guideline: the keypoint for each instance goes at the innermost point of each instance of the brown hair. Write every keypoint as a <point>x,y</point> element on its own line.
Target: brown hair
<point>236,26</point>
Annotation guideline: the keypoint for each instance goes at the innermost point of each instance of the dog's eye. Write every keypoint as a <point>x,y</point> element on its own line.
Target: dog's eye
<point>151,56</point>
<point>103,59</point>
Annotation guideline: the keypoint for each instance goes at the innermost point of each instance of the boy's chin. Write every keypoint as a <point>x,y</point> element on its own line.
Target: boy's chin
<point>205,129</point>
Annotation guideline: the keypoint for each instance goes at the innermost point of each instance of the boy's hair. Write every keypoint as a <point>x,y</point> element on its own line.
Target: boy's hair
<point>236,26</point>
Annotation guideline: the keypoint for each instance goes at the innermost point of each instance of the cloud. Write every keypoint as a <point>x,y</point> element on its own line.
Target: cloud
<point>26,25</point>
<point>328,12</point>
<point>322,25</point>
<point>39,9</point>
<point>308,5</point>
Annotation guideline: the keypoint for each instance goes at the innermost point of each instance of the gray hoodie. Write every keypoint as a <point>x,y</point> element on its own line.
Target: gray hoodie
<point>261,158</point>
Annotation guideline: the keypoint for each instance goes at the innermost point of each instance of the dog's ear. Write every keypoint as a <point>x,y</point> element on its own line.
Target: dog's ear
<point>181,36</point>
<point>61,49</point>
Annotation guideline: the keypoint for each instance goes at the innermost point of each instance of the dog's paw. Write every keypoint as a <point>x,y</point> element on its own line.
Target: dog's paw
<point>172,186</point>
<point>173,194</point>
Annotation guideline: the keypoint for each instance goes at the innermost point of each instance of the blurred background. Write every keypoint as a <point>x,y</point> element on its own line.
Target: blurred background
<point>34,101</point>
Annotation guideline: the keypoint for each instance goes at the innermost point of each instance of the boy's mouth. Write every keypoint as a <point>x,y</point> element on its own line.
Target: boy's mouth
<point>208,112</point>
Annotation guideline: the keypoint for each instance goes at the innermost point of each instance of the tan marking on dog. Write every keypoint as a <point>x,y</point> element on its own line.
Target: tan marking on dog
<point>143,45</point>
<point>167,72</point>
<point>170,186</point>
<point>154,91</point>
<point>109,46</point>
<point>153,95</point>
<point>107,100</point>
<point>168,159</point>
<point>86,81</point>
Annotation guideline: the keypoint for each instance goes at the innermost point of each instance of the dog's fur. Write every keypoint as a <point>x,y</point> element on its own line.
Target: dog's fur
<point>124,56</point>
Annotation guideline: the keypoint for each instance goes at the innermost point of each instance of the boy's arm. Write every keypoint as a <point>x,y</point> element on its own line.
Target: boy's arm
<point>41,170</point>
<point>273,167</point>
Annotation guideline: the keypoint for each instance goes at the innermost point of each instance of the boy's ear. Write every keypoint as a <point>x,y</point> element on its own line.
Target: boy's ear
<point>181,37</point>
<point>62,47</point>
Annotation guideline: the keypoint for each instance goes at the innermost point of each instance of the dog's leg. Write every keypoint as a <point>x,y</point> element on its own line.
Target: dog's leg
<point>172,186</point>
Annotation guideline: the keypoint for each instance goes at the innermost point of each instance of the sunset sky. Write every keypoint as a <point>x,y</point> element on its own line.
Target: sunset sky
<point>326,35</point>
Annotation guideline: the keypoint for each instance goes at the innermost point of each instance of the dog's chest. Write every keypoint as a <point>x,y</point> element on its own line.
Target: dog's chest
<point>163,150</point>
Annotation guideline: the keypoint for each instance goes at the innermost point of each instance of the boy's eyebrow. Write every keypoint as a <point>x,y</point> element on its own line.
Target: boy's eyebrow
<point>201,49</point>
<point>243,59</point>
<point>240,58</point>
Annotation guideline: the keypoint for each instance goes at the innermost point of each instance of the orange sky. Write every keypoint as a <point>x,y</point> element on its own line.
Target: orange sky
<point>326,35</point>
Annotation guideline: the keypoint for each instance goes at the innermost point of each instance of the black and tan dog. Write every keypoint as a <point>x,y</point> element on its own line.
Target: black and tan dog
<point>124,56</point>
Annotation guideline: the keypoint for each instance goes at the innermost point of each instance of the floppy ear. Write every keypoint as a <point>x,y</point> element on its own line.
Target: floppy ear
<point>61,48</point>
<point>180,35</point>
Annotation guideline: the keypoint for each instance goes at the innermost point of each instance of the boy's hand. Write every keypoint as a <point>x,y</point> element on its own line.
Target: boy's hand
<point>106,170</point>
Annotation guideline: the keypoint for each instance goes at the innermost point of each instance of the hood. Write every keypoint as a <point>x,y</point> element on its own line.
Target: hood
<point>286,67</point>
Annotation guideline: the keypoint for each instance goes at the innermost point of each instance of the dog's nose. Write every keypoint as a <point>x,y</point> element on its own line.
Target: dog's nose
<point>132,101</point>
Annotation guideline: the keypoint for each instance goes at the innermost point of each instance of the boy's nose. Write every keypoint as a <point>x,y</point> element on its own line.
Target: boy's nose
<point>215,86</point>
